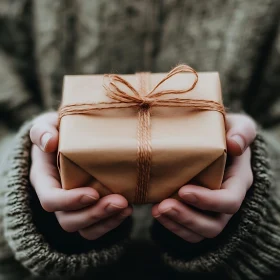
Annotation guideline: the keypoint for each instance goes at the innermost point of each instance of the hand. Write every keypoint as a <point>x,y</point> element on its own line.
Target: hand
<point>78,209</point>
<point>193,218</point>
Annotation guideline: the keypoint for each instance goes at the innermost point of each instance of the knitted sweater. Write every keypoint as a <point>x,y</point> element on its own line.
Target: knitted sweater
<point>40,41</point>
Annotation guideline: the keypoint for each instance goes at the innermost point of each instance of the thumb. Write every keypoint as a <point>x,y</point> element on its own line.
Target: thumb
<point>44,132</point>
<point>241,132</point>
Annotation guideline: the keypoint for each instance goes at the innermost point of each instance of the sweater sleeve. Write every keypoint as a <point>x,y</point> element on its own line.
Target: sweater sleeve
<point>35,237</point>
<point>249,246</point>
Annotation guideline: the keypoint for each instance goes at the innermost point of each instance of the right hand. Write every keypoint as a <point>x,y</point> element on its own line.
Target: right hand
<point>78,209</point>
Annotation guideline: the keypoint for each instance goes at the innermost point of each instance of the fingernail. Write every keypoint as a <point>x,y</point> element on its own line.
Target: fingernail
<point>239,140</point>
<point>189,197</point>
<point>169,211</point>
<point>125,213</point>
<point>44,140</point>
<point>113,208</point>
<point>87,199</point>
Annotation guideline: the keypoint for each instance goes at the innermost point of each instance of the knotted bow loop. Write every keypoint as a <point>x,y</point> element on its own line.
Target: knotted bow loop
<point>115,92</point>
<point>129,94</point>
<point>177,70</point>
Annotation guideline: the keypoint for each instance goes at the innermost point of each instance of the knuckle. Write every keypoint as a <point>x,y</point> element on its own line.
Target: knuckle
<point>169,203</point>
<point>173,228</point>
<point>108,226</point>
<point>212,234</point>
<point>209,204</point>
<point>234,205</point>
<point>244,124</point>
<point>66,226</point>
<point>86,235</point>
<point>111,225</point>
<point>32,174</point>
<point>180,232</point>
<point>249,125</point>
<point>229,172</point>
<point>169,225</point>
<point>215,231</point>
<point>94,217</point>
<point>163,222</point>
<point>89,235</point>
<point>250,178</point>
<point>35,129</point>
<point>245,120</point>
<point>189,236</point>
<point>53,171</point>
<point>188,222</point>
<point>194,239</point>
<point>47,204</point>
<point>252,123</point>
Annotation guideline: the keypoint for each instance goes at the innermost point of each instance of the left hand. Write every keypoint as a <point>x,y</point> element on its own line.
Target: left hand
<point>77,210</point>
<point>204,213</point>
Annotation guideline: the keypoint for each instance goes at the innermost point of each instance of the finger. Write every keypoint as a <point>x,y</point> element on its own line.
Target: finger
<point>179,230</point>
<point>107,206</point>
<point>198,222</point>
<point>237,180</point>
<point>44,132</point>
<point>241,132</point>
<point>176,228</point>
<point>97,230</point>
<point>241,168</point>
<point>44,178</point>
<point>155,212</point>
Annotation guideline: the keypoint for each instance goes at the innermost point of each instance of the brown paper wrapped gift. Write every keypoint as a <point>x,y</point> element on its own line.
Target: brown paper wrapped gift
<point>142,136</point>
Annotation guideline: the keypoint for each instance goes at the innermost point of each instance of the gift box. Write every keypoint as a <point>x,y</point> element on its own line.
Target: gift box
<point>143,136</point>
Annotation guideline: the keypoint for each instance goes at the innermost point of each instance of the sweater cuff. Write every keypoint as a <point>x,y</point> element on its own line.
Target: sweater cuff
<point>250,242</point>
<point>35,236</point>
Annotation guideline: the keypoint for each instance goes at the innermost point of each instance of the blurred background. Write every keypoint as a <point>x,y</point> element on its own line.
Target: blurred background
<point>40,41</point>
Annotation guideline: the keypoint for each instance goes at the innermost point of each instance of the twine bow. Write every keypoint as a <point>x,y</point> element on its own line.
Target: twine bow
<point>150,98</point>
<point>126,96</point>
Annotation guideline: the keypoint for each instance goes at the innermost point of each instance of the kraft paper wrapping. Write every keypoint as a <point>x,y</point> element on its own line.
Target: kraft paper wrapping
<point>100,149</point>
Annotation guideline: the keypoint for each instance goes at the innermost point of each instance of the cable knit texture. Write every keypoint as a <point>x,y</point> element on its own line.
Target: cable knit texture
<point>40,41</point>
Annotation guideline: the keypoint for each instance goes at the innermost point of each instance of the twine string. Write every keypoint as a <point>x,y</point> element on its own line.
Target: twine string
<point>144,151</point>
